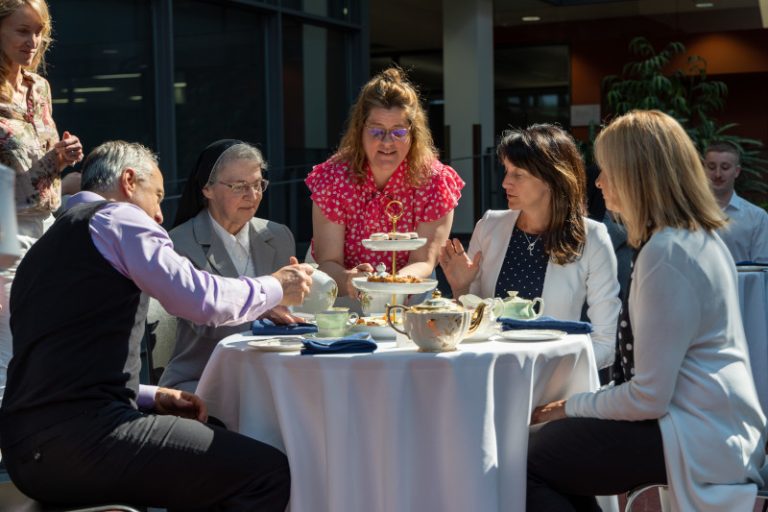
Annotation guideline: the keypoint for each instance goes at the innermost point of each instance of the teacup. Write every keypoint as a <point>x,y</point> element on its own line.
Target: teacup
<point>334,322</point>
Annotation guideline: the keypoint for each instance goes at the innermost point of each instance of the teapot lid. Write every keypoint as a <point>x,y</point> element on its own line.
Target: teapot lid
<point>436,303</point>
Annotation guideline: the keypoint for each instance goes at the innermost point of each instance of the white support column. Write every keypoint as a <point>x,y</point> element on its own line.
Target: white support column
<point>468,87</point>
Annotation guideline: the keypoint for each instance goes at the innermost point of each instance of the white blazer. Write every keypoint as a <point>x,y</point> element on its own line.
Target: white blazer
<point>692,373</point>
<point>592,278</point>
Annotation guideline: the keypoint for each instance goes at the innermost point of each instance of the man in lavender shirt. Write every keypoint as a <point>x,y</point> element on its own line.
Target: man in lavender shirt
<point>75,427</point>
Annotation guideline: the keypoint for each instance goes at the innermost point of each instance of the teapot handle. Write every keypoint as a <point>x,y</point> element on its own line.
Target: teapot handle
<point>390,311</point>
<point>477,318</point>
<point>541,307</point>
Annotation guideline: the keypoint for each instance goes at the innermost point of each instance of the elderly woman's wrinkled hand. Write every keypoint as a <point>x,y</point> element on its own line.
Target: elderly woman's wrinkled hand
<point>549,412</point>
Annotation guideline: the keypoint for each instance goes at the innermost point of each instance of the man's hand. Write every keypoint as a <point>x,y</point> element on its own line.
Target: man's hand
<point>180,403</point>
<point>296,281</point>
<point>550,412</point>
<point>282,315</point>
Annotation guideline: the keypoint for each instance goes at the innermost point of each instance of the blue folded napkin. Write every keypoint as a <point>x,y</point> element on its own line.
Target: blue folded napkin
<point>358,342</point>
<point>267,327</point>
<point>751,264</point>
<point>546,322</point>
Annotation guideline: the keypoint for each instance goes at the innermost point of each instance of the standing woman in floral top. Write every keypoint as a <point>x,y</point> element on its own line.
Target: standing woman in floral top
<point>386,153</point>
<point>29,143</point>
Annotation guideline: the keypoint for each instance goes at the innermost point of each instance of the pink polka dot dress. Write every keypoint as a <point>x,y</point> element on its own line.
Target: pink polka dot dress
<point>360,206</point>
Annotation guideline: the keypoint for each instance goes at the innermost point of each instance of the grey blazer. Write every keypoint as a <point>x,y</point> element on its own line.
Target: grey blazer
<point>271,246</point>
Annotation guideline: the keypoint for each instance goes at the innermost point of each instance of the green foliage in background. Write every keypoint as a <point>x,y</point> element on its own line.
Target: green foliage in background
<point>687,95</point>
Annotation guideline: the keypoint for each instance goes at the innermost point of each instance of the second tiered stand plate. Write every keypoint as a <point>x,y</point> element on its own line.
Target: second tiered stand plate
<point>362,283</point>
<point>394,245</point>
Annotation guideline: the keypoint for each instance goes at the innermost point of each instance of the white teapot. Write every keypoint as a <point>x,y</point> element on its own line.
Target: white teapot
<point>493,308</point>
<point>437,324</point>
<point>322,295</point>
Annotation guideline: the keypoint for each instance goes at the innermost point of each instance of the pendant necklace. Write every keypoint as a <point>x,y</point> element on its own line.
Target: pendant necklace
<point>531,244</point>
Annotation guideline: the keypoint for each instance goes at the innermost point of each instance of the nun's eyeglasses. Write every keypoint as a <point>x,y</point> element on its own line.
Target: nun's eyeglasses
<point>243,187</point>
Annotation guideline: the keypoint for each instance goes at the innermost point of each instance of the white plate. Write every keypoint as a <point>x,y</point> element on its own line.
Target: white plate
<point>315,336</point>
<point>362,283</point>
<point>532,335</point>
<point>277,344</point>
<point>751,268</point>
<point>379,332</point>
<point>394,245</point>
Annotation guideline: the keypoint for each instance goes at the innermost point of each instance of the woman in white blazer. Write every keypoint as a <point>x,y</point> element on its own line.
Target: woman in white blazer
<point>684,409</point>
<point>216,229</point>
<point>543,245</point>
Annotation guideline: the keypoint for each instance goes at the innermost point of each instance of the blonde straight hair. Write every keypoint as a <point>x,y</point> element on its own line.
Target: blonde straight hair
<point>656,174</point>
<point>8,7</point>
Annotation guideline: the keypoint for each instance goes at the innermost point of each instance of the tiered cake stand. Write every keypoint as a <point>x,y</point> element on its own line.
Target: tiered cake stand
<point>394,211</point>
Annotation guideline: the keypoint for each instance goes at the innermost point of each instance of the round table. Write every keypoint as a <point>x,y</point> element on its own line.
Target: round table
<point>398,429</point>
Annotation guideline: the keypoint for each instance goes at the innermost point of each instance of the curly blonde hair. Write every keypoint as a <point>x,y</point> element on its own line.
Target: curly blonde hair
<point>389,89</point>
<point>8,7</point>
<point>656,174</point>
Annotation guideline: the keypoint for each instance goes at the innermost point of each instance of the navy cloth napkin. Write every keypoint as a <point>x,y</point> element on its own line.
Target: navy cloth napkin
<point>546,322</point>
<point>267,327</point>
<point>358,342</point>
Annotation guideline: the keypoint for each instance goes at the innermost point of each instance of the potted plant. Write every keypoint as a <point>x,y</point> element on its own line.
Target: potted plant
<point>687,95</point>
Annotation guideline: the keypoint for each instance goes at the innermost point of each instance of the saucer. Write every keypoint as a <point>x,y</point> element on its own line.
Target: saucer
<point>316,336</point>
<point>532,335</point>
<point>277,344</point>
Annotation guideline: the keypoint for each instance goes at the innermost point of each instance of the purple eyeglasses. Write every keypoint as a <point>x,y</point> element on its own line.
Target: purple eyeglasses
<point>398,134</point>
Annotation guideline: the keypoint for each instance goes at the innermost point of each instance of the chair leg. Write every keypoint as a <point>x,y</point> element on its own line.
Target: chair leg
<point>635,493</point>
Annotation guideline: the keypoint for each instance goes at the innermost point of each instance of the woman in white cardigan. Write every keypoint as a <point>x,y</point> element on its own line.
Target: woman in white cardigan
<point>543,245</point>
<point>684,409</point>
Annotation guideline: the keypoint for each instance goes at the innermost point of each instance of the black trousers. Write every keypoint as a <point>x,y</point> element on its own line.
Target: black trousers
<point>571,461</point>
<point>118,454</point>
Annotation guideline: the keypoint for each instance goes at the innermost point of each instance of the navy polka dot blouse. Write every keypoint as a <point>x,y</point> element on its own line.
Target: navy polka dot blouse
<point>524,267</point>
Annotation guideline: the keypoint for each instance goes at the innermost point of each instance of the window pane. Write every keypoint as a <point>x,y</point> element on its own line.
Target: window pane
<point>532,86</point>
<point>340,9</point>
<point>103,72</point>
<point>219,77</point>
<point>315,105</point>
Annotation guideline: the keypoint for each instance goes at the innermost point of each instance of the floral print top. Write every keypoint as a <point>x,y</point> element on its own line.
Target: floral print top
<point>27,136</point>
<point>360,206</point>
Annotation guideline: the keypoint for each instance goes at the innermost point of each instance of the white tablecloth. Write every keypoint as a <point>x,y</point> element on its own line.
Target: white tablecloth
<point>398,430</point>
<point>753,299</point>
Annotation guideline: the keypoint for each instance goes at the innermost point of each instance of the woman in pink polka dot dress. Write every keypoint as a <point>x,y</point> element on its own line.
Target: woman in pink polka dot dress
<point>386,153</point>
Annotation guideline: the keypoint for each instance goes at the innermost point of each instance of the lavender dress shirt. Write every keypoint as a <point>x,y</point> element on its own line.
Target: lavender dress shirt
<point>140,249</point>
